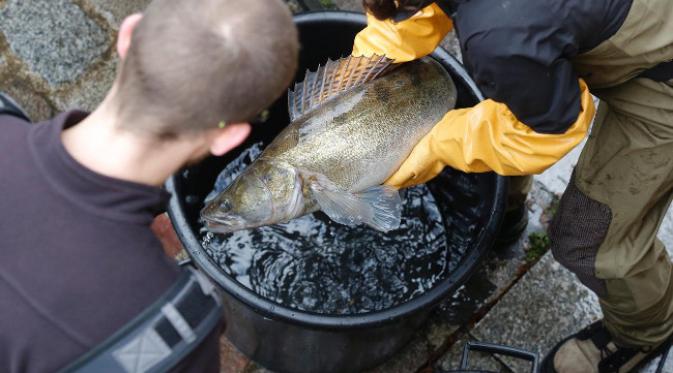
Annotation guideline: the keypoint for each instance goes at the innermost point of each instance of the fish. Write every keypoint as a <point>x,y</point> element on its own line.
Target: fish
<point>352,124</point>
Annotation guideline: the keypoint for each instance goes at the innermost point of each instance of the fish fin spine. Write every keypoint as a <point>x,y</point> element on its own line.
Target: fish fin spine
<point>332,79</point>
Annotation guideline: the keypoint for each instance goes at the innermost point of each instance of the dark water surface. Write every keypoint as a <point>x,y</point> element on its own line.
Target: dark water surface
<point>314,264</point>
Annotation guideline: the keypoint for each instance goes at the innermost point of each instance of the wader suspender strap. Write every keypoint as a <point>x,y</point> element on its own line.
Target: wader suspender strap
<point>660,73</point>
<point>160,337</point>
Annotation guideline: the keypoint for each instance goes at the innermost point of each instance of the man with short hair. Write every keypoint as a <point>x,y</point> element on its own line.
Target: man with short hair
<point>78,260</point>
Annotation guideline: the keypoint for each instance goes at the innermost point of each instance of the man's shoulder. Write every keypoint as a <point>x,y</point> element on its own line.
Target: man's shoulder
<point>63,308</point>
<point>12,128</point>
<point>29,335</point>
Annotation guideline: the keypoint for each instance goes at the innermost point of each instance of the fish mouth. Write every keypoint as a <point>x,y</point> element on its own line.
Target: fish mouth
<point>223,224</point>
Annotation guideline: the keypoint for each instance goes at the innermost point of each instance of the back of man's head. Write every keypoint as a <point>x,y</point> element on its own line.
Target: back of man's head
<point>194,64</point>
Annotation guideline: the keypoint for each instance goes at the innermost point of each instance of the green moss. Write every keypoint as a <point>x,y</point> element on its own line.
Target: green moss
<point>327,4</point>
<point>553,206</point>
<point>538,244</point>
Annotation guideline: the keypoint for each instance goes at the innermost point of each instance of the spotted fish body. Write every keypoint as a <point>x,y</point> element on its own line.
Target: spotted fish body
<point>337,152</point>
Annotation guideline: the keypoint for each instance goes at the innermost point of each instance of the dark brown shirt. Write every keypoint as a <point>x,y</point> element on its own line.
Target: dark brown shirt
<point>77,257</point>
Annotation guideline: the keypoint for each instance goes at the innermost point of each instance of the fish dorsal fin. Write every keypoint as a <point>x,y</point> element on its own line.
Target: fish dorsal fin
<point>333,78</point>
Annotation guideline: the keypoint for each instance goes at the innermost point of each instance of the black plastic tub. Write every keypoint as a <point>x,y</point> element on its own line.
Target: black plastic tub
<point>288,340</point>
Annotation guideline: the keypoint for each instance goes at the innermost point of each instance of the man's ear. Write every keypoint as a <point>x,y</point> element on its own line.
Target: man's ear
<point>228,138</point>
<point>125,33</point>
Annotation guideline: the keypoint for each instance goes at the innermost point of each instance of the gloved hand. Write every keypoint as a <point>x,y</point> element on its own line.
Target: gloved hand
<point>488,137</point>
<point>403,41</point>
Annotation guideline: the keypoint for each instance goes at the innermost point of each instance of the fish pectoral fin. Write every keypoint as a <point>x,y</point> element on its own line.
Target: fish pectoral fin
<point>332,79</point>
<point>386,206</point>
<point>380,207</point>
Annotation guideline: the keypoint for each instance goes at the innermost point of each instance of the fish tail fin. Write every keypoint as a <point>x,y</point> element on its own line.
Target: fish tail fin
<point>380,207</point>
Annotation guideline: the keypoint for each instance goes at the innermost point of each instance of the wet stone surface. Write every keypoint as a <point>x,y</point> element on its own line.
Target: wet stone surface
<point>654,365</point>
<point>413,356</point>
<point>546,304</point>
<point>115,11</point>
<point>352,5</point>
<point>91,90</point>
<point>231,360</point>
<point>37,108</point>
<point>53,37</point>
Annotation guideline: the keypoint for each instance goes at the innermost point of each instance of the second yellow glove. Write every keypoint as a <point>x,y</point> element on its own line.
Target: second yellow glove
<point>403,41</point>
<point>488,137</point>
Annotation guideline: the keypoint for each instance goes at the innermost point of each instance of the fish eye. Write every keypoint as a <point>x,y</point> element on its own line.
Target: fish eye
<point>225,205</point>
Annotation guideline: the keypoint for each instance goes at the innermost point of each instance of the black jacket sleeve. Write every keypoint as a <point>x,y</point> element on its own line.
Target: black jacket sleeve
<point>540,89</point>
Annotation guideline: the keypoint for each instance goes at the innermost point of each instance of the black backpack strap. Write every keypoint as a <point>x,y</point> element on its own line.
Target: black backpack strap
<point>659,73</point>
<point>163,335</point>
<point>10,107</point>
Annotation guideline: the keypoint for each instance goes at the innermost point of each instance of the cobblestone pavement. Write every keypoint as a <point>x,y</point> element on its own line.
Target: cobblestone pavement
<point>60,54</point>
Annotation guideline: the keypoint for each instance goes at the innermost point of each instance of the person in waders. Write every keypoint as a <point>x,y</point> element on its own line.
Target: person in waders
<point>537,63</point>
<point>84,284</point>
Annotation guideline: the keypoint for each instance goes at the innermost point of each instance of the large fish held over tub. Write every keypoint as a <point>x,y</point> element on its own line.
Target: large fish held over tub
<point>350,130</point>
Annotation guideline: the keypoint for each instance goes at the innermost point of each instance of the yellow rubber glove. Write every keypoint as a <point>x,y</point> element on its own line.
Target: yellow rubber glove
<point>488,137</point>
<point>404,41</point>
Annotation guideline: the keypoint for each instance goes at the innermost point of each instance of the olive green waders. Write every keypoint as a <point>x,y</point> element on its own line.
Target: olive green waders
<point>605,228</point>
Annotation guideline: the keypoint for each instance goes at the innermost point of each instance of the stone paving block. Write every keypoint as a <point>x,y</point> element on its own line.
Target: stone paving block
<point>36,106</point>
<point>255,368</point>
<point>556,178</point>
<point>55,39</point>
<point>352,5</point>
<point>653,365</point>
<point>294,6</point>
<point>163,229</point>
<point>409,359</point>
<point>91,89</point>
<point>14,83</point>
<point>115,11</point>
<point>451,44</point>
<point>231,360</point>
<point>544,307</point>
<point>666,232</point>
<point>439,330</point>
